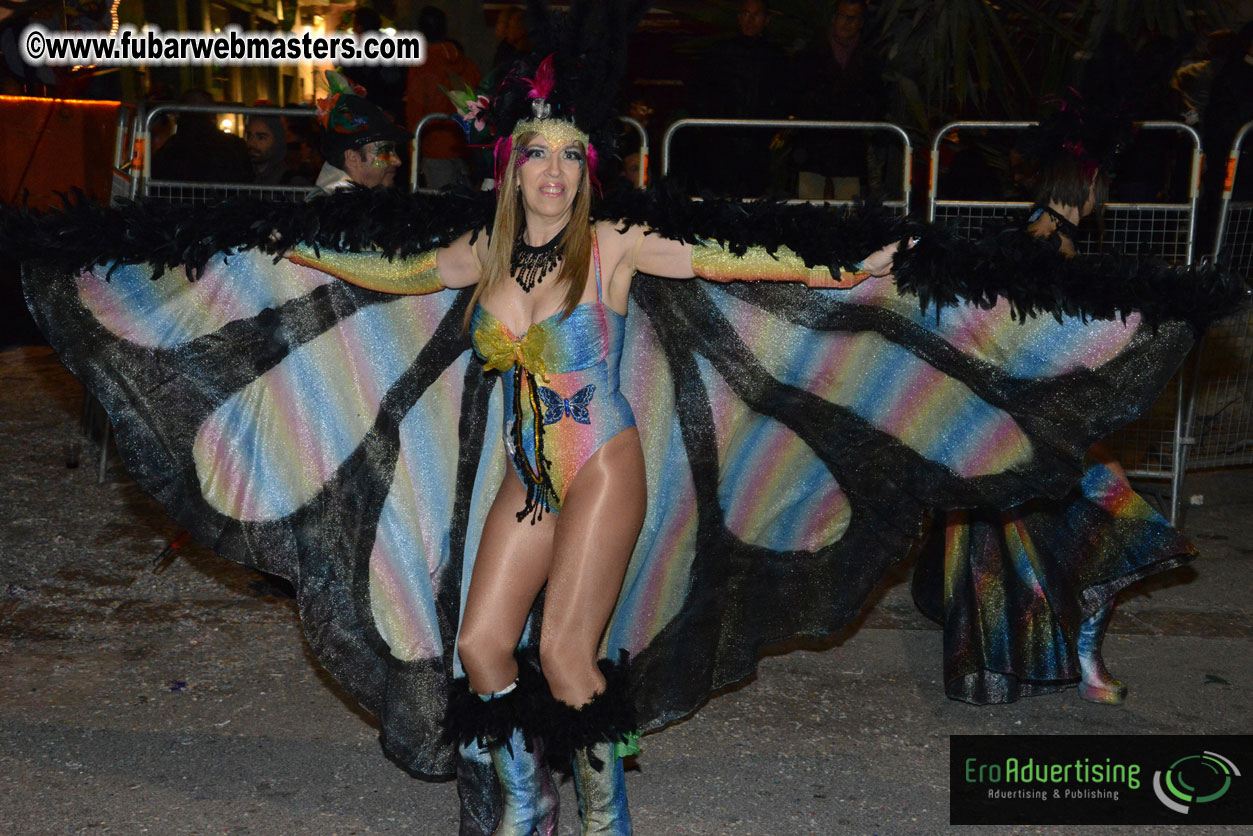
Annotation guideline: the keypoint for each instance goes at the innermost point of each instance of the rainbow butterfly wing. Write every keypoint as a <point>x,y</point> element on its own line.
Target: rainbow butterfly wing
<point>793,440</point>
<point>301,425</point>
<point>554,404</point>
<point>576,406</point>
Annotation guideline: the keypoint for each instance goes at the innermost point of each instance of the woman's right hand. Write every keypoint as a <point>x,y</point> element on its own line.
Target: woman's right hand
<point>879,263</point>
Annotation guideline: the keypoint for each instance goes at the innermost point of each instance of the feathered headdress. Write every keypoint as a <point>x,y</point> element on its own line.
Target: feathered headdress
<point>348,120</point>
<point>1092,132</point>
<point>1116,85</point>
<point>572,77</point>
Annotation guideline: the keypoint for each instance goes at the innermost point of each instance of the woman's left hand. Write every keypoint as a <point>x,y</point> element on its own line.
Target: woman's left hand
<point>879,263</point>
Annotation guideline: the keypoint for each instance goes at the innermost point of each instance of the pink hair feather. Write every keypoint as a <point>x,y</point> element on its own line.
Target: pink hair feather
<point>592,159</point>
<point>544,81</point>
<point>502,152</point>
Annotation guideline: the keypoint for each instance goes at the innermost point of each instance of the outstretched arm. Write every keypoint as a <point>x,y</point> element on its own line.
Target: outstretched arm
<point>456,265</point>
<point>714,261</point>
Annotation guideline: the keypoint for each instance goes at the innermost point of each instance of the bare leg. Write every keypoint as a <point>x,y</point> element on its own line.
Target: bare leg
<point>595,534</point>
<point>511,567</point>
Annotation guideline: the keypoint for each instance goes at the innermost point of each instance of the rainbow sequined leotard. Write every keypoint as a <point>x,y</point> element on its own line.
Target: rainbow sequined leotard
<point>561,392</point>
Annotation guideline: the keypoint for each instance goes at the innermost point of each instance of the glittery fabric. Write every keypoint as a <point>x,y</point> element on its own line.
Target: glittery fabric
<point>1012,589</point>
<point>414,274</point>
<point>558,133</point>
<point>571,394</point>
<point>601,792</point>
<point>794,438</point>
<point>715,262</point>
<point>530,797</point>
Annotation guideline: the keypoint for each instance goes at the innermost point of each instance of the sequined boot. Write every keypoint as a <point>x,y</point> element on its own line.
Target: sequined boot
<point>527,789</point>
<point>600,784</point>
<point>583,738</point>
<point>1097,685</point>
<point>528,799</point>
<point>477,790</point>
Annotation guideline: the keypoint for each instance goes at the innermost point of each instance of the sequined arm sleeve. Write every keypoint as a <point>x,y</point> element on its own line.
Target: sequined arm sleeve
<point>413,275</point>
<point>715,262</point>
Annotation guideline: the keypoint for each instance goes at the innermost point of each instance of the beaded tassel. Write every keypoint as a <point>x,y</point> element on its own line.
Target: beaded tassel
<point>540,494</point>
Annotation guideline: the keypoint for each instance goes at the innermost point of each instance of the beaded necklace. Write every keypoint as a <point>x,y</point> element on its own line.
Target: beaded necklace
<point>529,265</point>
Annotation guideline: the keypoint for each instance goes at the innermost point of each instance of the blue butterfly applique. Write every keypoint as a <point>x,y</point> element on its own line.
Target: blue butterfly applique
<point>557,407</point>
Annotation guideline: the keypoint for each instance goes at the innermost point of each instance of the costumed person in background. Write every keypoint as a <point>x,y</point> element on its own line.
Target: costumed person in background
<point>360,143</point>
<point>1025,595</point>
<point>775,445</point>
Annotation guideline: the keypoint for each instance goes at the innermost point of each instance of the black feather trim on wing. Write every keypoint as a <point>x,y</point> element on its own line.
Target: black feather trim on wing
<point>84,234</point>
<point>943,269</point>
<point>818,234</point>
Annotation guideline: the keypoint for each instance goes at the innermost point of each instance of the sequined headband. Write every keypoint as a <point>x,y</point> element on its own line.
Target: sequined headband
<point>558,133</point>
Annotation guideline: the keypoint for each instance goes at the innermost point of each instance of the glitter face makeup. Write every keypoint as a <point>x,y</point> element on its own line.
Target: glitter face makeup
<point>385,155</point>
<point>549,176</point>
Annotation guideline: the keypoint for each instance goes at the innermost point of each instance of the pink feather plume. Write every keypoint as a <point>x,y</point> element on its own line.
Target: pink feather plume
<point>545,79</point>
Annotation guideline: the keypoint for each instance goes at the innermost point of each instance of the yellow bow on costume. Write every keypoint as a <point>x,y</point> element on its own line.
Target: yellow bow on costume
<point>501,351</point>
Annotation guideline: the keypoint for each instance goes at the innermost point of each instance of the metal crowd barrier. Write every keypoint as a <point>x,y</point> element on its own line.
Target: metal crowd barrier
<point>415,157</point>
<point>901,203</point>
<point>184,191</point>
<point>1165,229</point>
<point>1155,446</point>
<point>1234,242</point>
<point>1220,411</point>
<point>123,180</point>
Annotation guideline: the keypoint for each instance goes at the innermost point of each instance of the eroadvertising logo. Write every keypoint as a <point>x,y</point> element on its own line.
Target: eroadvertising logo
<point>1211,771</point>
<point>1100,779</point>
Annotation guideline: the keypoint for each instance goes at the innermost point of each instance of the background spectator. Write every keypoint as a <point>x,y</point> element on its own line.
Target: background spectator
<point>1192,81</point>
<point>199,152</point>
<point>384,85</point>
<point>512,42</point>
<point>444,149</point>
<point>266,138</point>
<point>1230,106</point>
<point>359,141</point>
<point>743,78</point>
<point>842,80</point>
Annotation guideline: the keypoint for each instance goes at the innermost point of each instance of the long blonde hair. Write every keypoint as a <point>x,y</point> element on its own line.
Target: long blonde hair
<point>575,247</point>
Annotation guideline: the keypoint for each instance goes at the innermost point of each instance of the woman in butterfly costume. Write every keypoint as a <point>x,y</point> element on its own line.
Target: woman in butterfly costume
<point>1024,595</point>
<point>790,438</point>
<point>548,311</point>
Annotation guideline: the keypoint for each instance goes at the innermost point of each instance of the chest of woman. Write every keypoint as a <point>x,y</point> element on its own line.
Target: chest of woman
<point>553,345</point>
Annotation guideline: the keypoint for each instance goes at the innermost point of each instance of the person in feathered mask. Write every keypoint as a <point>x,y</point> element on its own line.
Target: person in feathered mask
<point>360,142</point>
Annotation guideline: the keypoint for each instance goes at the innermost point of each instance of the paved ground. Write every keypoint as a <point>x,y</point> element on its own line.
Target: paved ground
<point>186,702</point>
